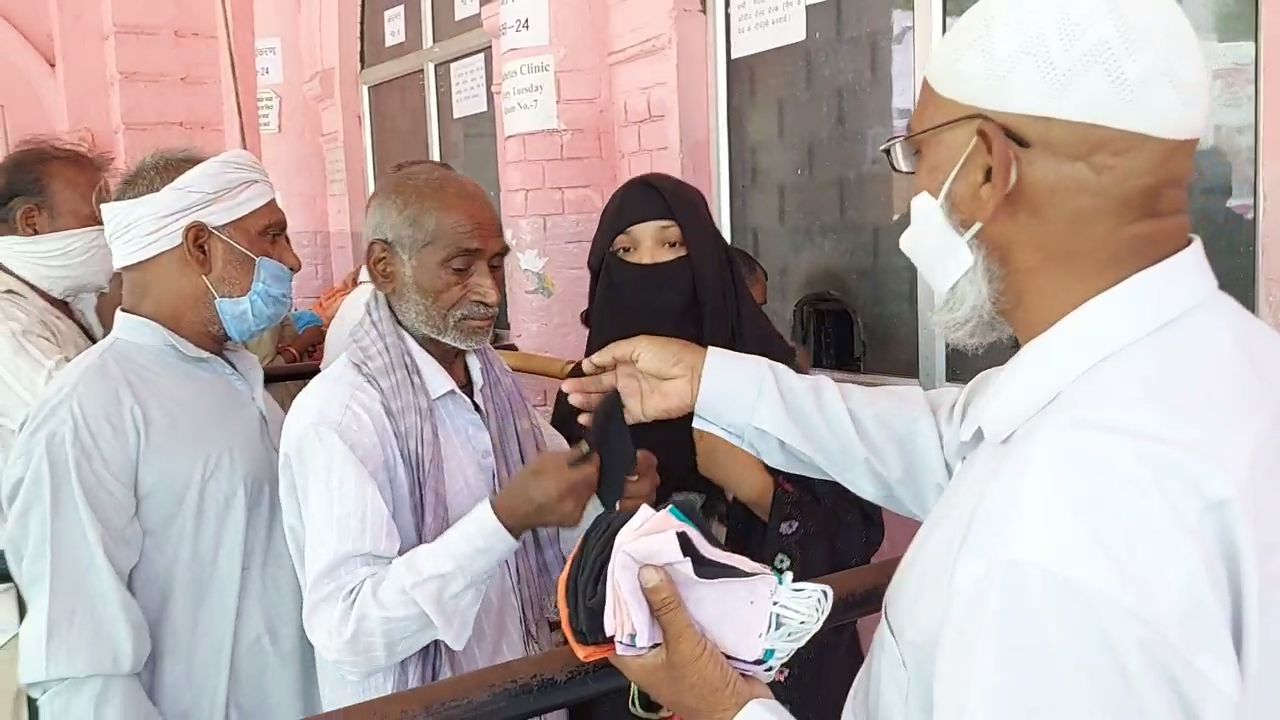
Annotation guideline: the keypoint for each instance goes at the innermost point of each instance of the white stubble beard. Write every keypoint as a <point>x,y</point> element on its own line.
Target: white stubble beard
<point>969,316</point>
<point>423,319</point>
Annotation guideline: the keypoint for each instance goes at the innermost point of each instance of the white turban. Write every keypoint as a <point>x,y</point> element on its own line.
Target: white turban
<point>1133,65</point>
<point>218,191</point>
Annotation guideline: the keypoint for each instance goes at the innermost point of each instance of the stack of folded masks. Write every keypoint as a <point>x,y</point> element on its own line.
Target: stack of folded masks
<point>755,617</point>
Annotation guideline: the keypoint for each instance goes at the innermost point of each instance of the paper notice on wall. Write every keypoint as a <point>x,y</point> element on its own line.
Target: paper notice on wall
<point>268,111</point>
<point>529,95</point>
<point>813,2</point>
<point>470,89</point>
<point>393,26</point>
<point>759,25</point>
<point>523,24</point>
<point>270,57</point>
<point>463,9</point>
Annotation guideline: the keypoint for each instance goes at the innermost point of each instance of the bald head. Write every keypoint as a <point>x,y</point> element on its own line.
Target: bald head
<point>409,205</point>
<point>436,249</point>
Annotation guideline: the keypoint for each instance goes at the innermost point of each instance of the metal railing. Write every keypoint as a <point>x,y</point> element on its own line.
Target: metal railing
<point>556,680</point>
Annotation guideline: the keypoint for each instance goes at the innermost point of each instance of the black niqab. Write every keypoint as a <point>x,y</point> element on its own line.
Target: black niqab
<point>700,297</point>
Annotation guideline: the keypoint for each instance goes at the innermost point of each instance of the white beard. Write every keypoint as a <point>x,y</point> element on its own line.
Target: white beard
<point>969,316</point>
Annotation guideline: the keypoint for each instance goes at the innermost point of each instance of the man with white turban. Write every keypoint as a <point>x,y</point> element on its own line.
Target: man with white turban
<point>145,530</point>
<point>1099,535</point>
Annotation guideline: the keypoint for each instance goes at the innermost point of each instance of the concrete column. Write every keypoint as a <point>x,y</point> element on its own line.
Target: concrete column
<point>81,67</point>
<point>554,183</point>
<point>294,156</point>
<point>658,59</point>
<point>164,84</point>
<point>1269,157</point>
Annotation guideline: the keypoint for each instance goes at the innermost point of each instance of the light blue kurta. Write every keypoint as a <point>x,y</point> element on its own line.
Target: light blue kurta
<point>145,534</point>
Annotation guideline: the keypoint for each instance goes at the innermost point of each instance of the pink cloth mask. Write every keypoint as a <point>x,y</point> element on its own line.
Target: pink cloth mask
<point>755,618</point>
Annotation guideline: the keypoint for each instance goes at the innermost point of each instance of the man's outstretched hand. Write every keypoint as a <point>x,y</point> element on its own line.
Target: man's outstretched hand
<point>658,378</point>
<point>687,675</point>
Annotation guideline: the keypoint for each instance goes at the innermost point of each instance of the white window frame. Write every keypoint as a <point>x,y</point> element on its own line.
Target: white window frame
<point>930,21</point>
<point>426,60</point>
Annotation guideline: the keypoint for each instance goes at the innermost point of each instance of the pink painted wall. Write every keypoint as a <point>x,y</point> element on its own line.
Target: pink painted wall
<point>133,76</point>
<point>631,85</point>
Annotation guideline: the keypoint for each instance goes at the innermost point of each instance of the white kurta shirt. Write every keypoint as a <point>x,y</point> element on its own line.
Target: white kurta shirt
<point>146,537</point>
<point>372,594</point>
<point>1100,535</point>
<point>337,337</point>
<point>36,341</point>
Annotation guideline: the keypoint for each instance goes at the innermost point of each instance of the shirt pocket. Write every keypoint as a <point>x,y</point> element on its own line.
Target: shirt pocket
<point>881,689</point>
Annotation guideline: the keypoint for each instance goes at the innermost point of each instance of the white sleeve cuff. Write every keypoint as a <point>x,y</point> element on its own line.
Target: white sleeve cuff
<point>730,387</point>
<point>764,710</point>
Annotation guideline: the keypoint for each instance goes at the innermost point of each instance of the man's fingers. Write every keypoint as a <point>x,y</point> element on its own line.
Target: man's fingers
<point>609,357</point>
<point>666,605</point>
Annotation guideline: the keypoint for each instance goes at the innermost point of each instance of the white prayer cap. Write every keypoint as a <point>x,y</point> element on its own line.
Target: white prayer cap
<point>218,191</point>
<point>1133,65</point>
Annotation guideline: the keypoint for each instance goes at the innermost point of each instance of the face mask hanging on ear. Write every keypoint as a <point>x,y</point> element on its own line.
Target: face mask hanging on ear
<point>269,299</point>
<point>932,242</point>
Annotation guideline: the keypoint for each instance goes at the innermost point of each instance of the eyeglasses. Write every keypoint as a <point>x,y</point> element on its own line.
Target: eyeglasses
<point>902,155</point>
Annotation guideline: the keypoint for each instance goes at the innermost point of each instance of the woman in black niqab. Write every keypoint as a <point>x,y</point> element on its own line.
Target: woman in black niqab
<point>659,266</point>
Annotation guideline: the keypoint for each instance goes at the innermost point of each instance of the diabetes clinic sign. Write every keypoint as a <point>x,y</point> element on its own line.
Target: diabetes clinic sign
<point>529,95</point>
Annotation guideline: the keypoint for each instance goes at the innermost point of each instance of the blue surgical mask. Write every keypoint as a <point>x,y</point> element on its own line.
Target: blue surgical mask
<point>270,298</point>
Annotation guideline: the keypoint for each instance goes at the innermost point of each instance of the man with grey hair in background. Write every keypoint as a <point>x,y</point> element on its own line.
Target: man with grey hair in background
<point>144,529</point>
<point>424,497</point>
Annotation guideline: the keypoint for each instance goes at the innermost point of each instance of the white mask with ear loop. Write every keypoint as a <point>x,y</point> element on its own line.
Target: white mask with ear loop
<point>939,251</point>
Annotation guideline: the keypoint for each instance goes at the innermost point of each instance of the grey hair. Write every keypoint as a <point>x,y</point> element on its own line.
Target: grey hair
<point>402,210</point>
<point>23,172</point>
<point>155,171</point>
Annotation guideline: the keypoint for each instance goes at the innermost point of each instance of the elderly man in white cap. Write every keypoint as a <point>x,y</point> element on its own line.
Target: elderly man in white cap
<point>145,530</point>
<point>1099,535</point>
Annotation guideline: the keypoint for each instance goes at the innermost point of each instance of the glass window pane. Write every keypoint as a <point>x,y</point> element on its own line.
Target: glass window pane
<point>445,25</point>
<point>374,42</point>
<point>1223,196</point>
<point>398,122</point>
<point>469,144</point>
<point>810,195</point>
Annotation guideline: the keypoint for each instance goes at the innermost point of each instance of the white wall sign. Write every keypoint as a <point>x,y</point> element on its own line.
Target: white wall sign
<point>270,61</point>
<point>759,25</point>
<point>268,111</point>
<point>523,24</point>
<point>463,9</point>
<point>529,95</point>
<point>470,86</point>
<point>393,26</point>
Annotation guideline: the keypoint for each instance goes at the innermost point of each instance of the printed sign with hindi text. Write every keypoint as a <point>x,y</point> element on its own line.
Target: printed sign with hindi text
<point>529,95</point>
<point>393,26</point>
<point>469,85</point>
<point>523,24</point>
<point>270,61</point>
<point>756,26</point>
<point>268,112</point>
<point>463,9</point>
